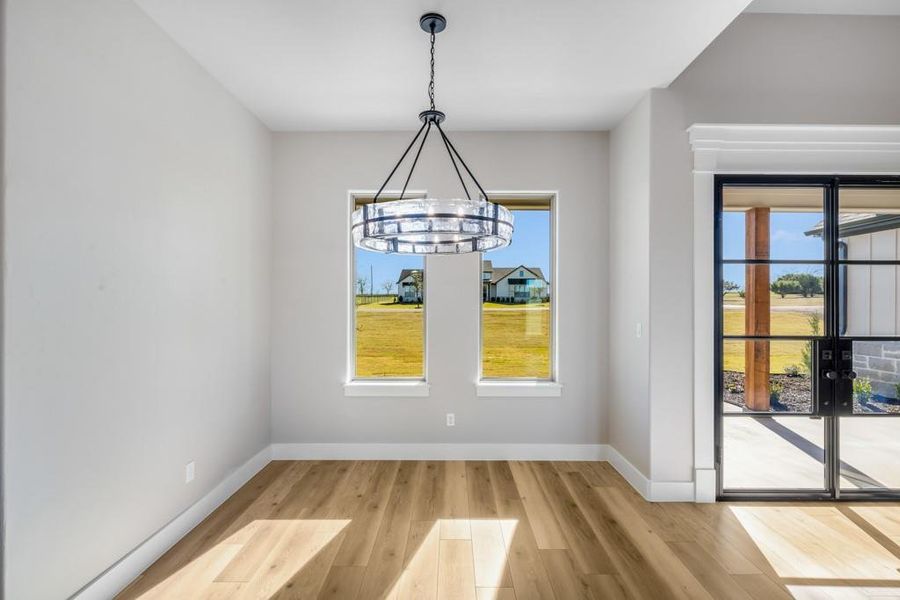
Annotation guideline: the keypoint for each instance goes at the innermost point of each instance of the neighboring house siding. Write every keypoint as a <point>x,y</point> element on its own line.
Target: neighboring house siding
<point>873,308</point>
<point>872,291</point>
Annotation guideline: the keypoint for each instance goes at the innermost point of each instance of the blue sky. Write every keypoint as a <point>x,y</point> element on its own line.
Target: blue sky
<point>530,246</point>
<point>788,242</point>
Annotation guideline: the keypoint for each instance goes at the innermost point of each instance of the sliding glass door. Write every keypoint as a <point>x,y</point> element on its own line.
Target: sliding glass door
<point>808,336</point>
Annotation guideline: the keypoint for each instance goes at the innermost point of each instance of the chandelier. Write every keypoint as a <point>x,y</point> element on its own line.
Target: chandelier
<point>432,225</point>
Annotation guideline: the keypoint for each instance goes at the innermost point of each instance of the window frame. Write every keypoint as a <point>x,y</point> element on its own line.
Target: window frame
<point>379,386</point>
<point>524,386</point>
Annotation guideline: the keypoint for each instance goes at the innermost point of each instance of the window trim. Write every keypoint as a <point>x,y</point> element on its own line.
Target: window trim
<point>524,386</point>
<point>379,386</point>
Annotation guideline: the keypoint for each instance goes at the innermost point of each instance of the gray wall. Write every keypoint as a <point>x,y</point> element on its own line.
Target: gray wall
<point>629,287</point>
<point>137,288</point>
<point>761,69</point>
<point>313,173</point>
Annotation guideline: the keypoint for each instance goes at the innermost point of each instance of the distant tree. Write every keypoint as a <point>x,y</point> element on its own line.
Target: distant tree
<point>387,286</point>
<point>418,281</point>
<point>729,286</point>
<point>361,283</point>
<point>783,286</point>
<point>810,285</point>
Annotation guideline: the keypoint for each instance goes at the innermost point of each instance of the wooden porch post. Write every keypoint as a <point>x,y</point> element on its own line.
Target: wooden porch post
<point>757,312</point>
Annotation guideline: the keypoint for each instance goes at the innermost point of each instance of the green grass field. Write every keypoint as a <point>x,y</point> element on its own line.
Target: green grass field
<point>783,322</point>
<point>516,340</point>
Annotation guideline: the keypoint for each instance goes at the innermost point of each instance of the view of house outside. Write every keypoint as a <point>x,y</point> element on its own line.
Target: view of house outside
<point>516,340</point>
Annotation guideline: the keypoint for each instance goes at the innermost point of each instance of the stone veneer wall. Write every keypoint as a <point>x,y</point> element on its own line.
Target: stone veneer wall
<point>879,362</point>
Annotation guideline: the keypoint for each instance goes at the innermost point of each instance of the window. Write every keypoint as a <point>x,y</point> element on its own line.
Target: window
<point>388,313</point>
<point>516,308</point>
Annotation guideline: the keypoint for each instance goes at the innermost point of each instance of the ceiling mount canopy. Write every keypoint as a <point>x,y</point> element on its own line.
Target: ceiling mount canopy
<point>432,225</point>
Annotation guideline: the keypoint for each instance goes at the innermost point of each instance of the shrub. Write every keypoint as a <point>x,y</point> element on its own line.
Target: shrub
<point>792,370</point>
<point>862,389</point>
<point>776,388</point>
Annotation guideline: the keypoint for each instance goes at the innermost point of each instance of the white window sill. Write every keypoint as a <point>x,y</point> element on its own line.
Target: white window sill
<point>387,389</point>
<point>518,389</point>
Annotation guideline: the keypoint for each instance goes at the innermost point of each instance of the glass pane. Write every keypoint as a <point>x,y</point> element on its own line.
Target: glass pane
<point>788,387</point>
<point>515,293</point>
<point>785,299</point>
<point>389,316</point>
<point>868,298</point>
<point>876,389</point>
<point>773,453</point>
<point>868,222</point>
<point>869,451</point>
<point>780,223</point>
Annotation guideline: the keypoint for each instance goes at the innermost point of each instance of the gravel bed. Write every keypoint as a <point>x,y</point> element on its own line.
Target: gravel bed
<point>796,395</point>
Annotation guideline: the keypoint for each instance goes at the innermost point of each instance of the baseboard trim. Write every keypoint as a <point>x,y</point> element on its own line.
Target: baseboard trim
<point>652,491</point>
<point>575,452</point>
<point>114,579</point>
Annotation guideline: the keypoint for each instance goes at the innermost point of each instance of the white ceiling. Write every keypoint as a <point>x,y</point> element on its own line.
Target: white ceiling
<point>826,7</point>
<point>501,64</point>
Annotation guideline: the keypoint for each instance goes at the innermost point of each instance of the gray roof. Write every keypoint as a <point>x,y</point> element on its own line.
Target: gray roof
<point>487,265</point>
<point>499,273</point>
<point>851,224</point>
<point>406,273</point>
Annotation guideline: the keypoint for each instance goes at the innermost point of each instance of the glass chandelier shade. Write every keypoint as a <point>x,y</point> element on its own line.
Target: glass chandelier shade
<point>432,225</point>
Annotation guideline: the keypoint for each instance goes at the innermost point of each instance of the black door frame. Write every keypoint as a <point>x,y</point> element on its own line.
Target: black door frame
<point>831,264</point>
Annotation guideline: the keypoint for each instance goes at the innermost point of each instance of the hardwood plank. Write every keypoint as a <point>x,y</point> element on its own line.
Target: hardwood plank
<point>547,532</point>
<point>489,554</point>
<point>456,573</point>
<point>567,582</point>
<point>420,572</point>
<point>342,583</point>
<point>638,571</point>
<point>711,575</point>
<point>363,529</point>
<point>431,491</point>
<point>495,593</point>
<point>480,491</point>
<point>680,580</point>
<point>761,587</point>
<point>589,554</point>
<point>386,563</point>
<point>526,569</point>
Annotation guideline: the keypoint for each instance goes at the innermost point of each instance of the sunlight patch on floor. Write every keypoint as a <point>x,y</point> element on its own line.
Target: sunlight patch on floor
<point>819,552</point>
<point>275,548</point>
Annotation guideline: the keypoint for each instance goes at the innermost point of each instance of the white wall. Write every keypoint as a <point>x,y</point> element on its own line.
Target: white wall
<point>137,288</point>
<point>312,174</point>
<point>629,287</point>
<point>762,69</point>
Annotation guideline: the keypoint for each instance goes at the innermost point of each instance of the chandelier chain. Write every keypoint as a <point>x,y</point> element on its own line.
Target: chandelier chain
<point>431,82</point>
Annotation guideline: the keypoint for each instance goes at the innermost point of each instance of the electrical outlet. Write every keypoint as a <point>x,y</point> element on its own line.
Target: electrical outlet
<point>189,472</point>
<point>451,420</point>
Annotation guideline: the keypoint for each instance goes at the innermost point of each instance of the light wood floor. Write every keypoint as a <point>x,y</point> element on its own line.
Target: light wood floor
<point>515,530</point>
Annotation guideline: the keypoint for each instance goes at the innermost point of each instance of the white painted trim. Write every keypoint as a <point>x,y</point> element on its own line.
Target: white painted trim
<point>125,570</point>
<point>591,452</point>
<point>518,389</point>
<point>652,491</point>
<point>763,149</point>
<point>795,149</point>
<point>631,473</point>
<point>387,389</point>
<point>705,485</point>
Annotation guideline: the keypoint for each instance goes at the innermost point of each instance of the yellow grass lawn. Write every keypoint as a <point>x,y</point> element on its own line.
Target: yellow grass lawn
<point>390,337</point>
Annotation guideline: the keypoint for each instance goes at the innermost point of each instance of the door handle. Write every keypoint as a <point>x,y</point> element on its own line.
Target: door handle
<point>830,374</point>
<point>848,374</point>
